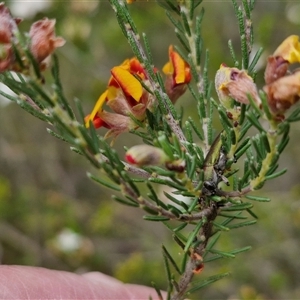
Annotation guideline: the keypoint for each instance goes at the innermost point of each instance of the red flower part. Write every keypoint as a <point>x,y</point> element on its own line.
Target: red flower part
<point>129,158</point>
<point>97,121</point>
<point>137,68</point>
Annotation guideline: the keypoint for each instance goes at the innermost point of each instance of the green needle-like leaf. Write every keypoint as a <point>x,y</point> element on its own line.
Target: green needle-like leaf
<point>203,283</point>
<point>193,235</point>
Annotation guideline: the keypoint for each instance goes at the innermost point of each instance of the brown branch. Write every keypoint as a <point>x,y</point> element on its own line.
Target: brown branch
<point>233,194</point>
<point>196,253</point>
<point>164,212</point>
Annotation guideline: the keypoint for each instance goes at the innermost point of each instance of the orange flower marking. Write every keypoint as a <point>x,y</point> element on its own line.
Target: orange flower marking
<point>177,67</point>
<point>127,82</point>
<point>178,74</point>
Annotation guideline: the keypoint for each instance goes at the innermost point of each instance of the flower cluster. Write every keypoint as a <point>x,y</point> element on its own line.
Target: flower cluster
<point>282,87</point>
<point>128,99</point>
<point>42,42</point>
<point>178,74</point>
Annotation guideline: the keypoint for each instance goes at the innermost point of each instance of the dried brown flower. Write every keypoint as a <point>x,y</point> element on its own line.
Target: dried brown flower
<point>43,39</point>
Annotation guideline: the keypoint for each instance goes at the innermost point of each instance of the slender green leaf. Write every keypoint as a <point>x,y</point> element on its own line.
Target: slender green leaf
<point>125,202</point>
<point>237,207</point>
<point>254,121</point>
<point>242,224</point>
<point>211,242</point>
<point>257,198</point>
<point>232,53</point>
<point>193,235</point>
<point>156,218</point>
<point>275,175</point>
<point>104,183</point>
<point>222,253</point>
<point>170,259</point>
<point>220,227</point>
<point>203,283</point>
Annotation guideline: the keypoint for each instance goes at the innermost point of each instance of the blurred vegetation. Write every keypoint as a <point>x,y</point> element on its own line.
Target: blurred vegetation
<point>52,215</point>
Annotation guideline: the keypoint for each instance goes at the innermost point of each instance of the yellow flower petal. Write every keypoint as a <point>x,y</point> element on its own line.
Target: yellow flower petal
<point>168,68</point>
<point>97,108</point>
<point>112,92</point>
<point>289,49</point>
<point>128,83</point>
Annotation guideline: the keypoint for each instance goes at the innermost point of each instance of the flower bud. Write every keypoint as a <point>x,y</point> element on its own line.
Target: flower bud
<point>145,155</point>
<point>43,39</point>
<point>283,93</point>
<point>236,84</point>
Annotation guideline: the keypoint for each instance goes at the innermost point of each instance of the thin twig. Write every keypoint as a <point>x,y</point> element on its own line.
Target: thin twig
<point>233,194</point>
<point>192,264</point>
<point>204,213</point>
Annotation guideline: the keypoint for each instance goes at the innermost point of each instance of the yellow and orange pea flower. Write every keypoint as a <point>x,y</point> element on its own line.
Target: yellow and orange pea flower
<point>178,74</point>
<point>126,96</point>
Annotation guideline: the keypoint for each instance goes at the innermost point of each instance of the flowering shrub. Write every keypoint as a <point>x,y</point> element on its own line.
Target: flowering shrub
<point>190,158</point>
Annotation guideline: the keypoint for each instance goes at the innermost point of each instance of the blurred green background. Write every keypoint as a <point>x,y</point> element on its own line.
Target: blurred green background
<point>52,215</point>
